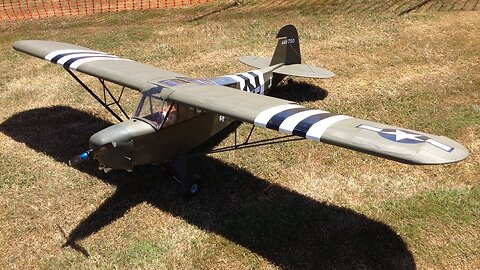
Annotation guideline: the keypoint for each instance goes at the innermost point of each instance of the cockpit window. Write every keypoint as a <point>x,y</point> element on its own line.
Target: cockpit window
<point>161,113</point>
<point>152,108</point>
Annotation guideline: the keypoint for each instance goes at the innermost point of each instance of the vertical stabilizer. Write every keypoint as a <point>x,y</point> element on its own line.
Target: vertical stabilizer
<point>288,58</point>
<point>288,47</point>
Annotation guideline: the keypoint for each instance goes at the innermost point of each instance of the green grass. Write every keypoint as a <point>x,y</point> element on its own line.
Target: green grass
<point>142,253</point>
<point>424,217</point>
<point>298,205</point>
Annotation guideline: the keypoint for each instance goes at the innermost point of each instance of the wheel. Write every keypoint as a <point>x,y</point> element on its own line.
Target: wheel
<point>191,186</point>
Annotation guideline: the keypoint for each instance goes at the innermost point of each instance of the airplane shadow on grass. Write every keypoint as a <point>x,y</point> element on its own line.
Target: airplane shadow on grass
<point>281,225</point>
<point>298,91</point>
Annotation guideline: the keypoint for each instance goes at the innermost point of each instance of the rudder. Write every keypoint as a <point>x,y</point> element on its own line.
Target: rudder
<point>288,47</point>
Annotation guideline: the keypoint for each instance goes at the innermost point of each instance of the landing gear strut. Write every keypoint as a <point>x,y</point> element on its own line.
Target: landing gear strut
<point>189,183</point>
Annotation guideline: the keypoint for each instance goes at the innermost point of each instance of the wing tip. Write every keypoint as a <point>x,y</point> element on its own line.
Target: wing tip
<point>436,160</point>
<point>19,44</point>
<point>438,156</point>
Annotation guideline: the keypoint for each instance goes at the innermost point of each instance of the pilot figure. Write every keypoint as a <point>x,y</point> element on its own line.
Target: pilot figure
<point>172,115</point>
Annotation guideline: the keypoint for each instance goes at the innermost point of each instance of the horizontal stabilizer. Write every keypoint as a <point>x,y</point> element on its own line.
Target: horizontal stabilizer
<point>298,70</point>
<point>302,70</point>
<point>256,61</point>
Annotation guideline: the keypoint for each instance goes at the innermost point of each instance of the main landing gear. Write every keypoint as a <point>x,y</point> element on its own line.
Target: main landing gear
<point>189,183</point>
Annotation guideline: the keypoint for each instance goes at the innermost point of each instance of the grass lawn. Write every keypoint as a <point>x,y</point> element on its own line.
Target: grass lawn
<point>300,205</point>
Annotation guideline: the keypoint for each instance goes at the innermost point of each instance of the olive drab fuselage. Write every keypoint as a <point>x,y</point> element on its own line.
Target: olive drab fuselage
<point>141,140</point>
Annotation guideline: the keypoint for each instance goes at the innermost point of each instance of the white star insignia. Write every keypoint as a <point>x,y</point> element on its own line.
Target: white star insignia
<point>401,135</point>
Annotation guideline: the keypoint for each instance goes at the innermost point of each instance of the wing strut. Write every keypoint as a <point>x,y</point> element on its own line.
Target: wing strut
<point>104,101</point>
<point>115,100</point>
<point>248,144</point>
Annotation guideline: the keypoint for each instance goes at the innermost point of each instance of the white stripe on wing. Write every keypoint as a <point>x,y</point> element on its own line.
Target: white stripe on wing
<point>316,131</point>
<point>64,59</point>
<point>265,116</point>
<point>51,55</point>
<point>80,62</point>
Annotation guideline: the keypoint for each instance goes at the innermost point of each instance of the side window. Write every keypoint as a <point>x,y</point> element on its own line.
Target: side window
<point>186,112</point>
<point>199,112</point>
<point>182,113</point>
<point>172,117</point>
<point>161,113</point>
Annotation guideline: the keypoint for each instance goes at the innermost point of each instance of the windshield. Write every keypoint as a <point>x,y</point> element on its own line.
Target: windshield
<point>163,113</point>
<point>154,109</point>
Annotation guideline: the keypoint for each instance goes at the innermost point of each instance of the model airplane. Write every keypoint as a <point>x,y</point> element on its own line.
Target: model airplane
<point>177,113</point>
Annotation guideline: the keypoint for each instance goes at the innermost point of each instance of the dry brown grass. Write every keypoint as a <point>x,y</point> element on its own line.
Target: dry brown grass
<point>298,205</point>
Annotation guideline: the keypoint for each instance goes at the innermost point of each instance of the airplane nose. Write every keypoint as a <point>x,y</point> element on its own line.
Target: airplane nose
<point>115,133</point>
<point>119,156</point>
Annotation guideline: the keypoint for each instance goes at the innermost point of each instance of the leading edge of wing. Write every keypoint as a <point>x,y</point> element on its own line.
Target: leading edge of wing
<point>399,144</point>
<point>112,68</point>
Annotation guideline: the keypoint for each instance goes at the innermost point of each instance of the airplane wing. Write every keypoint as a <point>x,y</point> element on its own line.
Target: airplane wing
<point>390,142</point>
<point>403,145</point>
<point>111,68</point>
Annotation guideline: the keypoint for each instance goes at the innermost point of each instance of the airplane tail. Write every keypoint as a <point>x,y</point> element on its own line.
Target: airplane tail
<point>287,54</point>
<point>288,47</point>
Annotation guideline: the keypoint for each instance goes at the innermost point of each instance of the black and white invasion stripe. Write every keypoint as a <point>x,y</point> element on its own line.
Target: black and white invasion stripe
<point>73,58</point>
<point>251,81</point>
<point>297,120</point>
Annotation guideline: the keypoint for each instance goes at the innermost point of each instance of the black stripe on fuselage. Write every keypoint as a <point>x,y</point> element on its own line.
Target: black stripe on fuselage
<point>71,61</point>
<point>248,85</point>
<point>56,58</point>
<point>257,79</point>
<point>277,119</point>
<point>302,128</point>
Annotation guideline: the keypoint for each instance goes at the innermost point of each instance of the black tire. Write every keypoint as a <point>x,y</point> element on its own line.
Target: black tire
<point>191,186</point>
